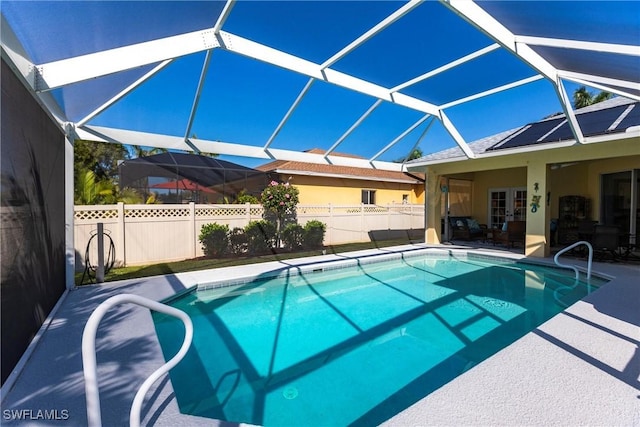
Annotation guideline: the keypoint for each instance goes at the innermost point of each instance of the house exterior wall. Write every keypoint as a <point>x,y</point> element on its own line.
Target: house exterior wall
<point>595,169</point>
<point>343,191</point>
<point>523,169</point>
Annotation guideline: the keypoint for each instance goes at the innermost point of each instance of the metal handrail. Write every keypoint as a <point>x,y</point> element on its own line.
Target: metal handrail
<point>573,267</point>
<point>94,417</point>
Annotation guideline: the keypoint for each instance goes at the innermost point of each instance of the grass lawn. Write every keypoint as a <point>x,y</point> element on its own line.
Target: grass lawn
<point>207,263</point>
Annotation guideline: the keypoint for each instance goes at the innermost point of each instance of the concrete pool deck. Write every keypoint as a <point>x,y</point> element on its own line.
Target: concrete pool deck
<point>582,367</point>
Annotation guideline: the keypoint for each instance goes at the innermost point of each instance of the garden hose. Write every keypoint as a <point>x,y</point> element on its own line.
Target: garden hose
<point>90,269</point>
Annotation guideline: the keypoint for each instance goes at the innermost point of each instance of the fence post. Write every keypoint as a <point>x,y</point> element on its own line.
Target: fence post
<point>247,213</point>
<point>192,228</point>
<point>121,243</point>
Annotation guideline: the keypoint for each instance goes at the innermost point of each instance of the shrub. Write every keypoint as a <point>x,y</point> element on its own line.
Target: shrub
<point>237,241</point>
<point>243,197</point>
<point>214,238</point>
<point>314,234</point>
<point>261,236</point>
<point>292,236</point>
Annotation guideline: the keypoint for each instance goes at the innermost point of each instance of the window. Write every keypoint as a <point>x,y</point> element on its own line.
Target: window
<point>405,199</point>
<point>369,197</point>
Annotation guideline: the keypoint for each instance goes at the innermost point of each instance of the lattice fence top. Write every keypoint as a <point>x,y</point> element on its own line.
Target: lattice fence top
<point>157,213</point>
<point>95,214</point>
<point>227,210</point>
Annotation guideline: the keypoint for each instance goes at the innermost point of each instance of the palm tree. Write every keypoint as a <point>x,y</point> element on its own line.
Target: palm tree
<point>583,98</point>
<point>91,191</point>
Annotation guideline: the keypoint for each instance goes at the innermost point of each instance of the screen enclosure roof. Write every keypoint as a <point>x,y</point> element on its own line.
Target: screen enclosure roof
<point>271,79</point>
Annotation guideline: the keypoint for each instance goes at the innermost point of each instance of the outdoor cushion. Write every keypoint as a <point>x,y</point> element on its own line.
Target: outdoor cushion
<point>473,224</point>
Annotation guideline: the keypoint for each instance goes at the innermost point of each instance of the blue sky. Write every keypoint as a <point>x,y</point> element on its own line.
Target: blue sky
<point>243,100</point>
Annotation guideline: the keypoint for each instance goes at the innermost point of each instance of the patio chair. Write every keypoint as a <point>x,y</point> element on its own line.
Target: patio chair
<point>515,232</point>
<point>466,228</point>
<point>606,241</point>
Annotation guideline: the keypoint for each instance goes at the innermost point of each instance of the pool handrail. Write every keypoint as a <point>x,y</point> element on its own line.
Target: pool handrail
<point>573,267</point>
<point>90,370</point>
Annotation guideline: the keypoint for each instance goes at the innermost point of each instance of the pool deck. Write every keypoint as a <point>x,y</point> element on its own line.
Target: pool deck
<point>582,367</point>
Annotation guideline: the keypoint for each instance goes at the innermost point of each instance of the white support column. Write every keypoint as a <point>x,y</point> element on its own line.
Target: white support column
<point>121,243</point>
<point>70,251</point>
<point>192,229</point>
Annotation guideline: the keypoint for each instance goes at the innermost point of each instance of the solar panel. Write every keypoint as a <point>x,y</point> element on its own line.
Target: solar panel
<point>592,123</point>
<point>529,135</point>
<point>631,119</point>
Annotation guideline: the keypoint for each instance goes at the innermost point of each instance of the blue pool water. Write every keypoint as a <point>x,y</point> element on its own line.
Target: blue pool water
<point>356,345</point>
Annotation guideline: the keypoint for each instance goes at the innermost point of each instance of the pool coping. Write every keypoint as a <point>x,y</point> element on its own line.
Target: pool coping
<point>594,350</point>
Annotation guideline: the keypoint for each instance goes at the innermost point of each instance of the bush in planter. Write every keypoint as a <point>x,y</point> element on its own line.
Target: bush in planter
<point>237,241</point>
<point>261,236</point>
<point>314,234</point>
<point>293,236</point>
<point>214,238</point>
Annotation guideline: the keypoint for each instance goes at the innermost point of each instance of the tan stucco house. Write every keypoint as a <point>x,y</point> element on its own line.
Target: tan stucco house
<point>346,185</point>
<point>539,173</point>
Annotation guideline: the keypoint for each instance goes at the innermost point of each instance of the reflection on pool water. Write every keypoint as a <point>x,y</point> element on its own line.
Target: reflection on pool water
<point>354,345</point>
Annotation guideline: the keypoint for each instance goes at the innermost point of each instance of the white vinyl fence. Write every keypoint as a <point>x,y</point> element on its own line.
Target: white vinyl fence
<point>146,234</point>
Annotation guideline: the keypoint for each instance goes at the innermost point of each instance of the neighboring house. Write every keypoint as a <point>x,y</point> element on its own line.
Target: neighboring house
<point>345,185</point>
<point>539,173</point>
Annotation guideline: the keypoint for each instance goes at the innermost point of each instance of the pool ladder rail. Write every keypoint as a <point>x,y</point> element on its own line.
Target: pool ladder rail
<point>94,416</point>
<point>573,267</point>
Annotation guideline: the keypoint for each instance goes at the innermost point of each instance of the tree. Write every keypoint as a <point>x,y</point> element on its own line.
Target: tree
<point>415,154</point>
<point>583,98</point>
<point>101,158</point>
<point>90,190</point>
<point>279,199</point>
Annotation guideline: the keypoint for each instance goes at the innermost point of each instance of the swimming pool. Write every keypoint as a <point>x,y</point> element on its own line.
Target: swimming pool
<point>353,345</point>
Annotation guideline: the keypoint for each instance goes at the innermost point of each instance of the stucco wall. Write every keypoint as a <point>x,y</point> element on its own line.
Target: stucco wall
<point>483,181</point>
<point>344,191</point>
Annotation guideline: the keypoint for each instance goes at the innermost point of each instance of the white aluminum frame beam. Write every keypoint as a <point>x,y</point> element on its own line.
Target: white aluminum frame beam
<point>605,81</point>
<point>491,91</point>
<point>14,50</point>
<point>408,7</point>
<point>123,93</point>
<point>123,136</point>
<point>224,15</point>
<point>602,87</point>
<point>251,49</point>
<point>196,99</point>
<point>399,137</point>
<point>444,119</point>
<point>420,138</point>
<point>84,67</point>
<point>482,20</point>
<point>293,107</point>
<point>446,67</point>
<point>353,127</point>
<point>621,49</point>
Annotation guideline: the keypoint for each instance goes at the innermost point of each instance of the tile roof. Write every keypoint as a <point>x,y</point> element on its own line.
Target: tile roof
<point>314,169</point>
<point>507,139</point>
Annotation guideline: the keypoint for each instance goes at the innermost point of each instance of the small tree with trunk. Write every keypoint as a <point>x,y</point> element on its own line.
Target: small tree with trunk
<point>279,199</point>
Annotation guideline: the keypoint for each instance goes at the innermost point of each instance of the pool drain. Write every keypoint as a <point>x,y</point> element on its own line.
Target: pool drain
<point>290,393</point>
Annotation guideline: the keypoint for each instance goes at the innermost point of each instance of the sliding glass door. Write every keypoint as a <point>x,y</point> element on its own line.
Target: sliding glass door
<point>619,201</point>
